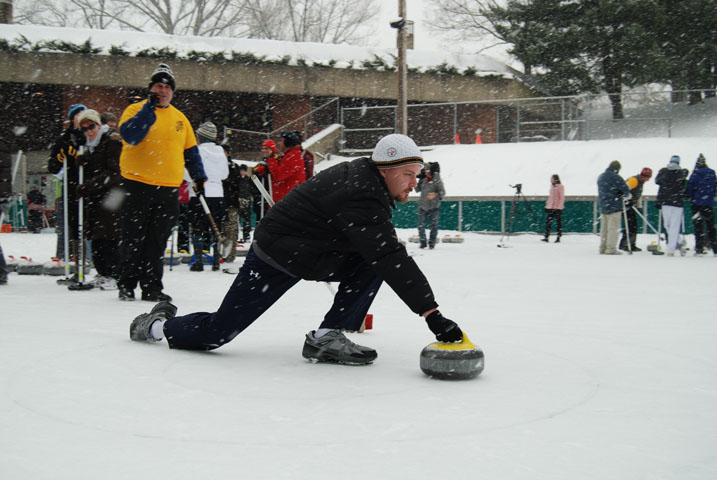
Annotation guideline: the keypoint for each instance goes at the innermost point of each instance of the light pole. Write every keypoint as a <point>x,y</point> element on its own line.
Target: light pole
<point>402,111</point>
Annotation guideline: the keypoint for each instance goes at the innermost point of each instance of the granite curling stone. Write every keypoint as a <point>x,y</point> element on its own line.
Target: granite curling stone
<point>452,361</point>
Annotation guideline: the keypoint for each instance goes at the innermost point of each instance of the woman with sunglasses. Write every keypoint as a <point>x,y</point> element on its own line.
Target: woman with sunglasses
<point>102,195</point>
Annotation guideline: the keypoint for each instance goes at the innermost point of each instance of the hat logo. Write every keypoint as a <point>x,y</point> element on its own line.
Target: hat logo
<point>391,152</point>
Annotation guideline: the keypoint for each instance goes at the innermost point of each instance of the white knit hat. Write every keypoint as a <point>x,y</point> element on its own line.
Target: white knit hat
<point>90,115</point>
<point>396,150</point>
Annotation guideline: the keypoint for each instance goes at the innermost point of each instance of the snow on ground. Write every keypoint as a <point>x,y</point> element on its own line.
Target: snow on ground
<point>596,367</point>
<point>487,170</point>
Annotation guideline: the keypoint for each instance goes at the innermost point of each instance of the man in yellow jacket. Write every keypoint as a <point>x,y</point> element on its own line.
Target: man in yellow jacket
<point>158,143</point>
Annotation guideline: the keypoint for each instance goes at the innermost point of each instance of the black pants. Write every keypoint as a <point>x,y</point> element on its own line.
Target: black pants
<point>631,226</point>
<point>148,214</point>
<point>34,221</point>
<point>704,221</point>
<point>256,288</point>
<point>105,256</point>
<point>558,216</point>
<point>245,220</point>
<point>203,236</point>
<point>183,223</point>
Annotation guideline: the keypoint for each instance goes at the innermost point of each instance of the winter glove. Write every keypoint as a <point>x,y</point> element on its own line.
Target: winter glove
<point>259,169</point>
<point>199,186</point>
<point>445,330</point>
<point>65,151</point>
<point>153,100</point>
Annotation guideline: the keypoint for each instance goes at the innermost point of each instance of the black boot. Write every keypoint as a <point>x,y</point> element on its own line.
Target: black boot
<point>557,240</point>
<point>126,294</point>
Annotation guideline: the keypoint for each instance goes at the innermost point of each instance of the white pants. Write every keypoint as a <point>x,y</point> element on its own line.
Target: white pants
<point>672,219</point>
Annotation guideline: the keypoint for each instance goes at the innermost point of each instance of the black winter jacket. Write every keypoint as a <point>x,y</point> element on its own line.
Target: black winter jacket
<point>672,184</point>
<point>236,186</point>
<point>5,169</point>
<point>342,214</point>
<point>101,183</point>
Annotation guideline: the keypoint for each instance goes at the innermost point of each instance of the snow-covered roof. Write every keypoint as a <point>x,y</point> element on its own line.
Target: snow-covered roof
<point>309,53</point>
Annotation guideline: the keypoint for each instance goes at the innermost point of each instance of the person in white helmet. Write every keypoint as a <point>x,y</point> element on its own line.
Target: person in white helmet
<point>335,227</point>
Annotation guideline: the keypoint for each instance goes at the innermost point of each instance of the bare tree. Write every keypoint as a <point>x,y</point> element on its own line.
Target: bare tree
<point>327,21</point>
<point>42,12</point>
<point>466,20</point>
<point>324,21</point>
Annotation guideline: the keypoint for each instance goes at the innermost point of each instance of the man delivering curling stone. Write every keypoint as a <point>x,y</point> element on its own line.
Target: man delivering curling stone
<point>336,227</point>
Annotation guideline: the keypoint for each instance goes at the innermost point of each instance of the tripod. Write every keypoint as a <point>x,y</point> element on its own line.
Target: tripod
<point>514,205</point>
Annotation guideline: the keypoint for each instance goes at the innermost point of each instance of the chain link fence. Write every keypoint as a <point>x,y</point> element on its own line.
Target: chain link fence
<point>582,117</point>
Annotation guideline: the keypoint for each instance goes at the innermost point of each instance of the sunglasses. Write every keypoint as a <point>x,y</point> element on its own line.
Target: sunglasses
<point>88,127</point>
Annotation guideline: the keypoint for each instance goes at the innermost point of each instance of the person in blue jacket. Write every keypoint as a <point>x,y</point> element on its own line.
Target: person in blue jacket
<point>612,192</point>
<point>701,189</point>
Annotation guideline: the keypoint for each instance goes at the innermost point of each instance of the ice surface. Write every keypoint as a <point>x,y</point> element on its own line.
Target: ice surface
<point>596,367</point>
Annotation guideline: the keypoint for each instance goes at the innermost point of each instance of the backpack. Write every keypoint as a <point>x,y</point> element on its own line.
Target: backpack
<point>308,163</point>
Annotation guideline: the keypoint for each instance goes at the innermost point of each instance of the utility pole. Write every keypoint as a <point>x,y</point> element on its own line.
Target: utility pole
<point>402,110</point>
<point>5,11</point>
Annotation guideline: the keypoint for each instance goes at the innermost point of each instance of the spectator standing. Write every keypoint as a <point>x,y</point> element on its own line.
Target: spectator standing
<point>701,189</point>
<point>288,170</point>
<point>230,227</point>
<point>61,163</point>
<point>671,181</point>
<point>158,143</point>
<point>268,151</point>
<point>432,192</point>
<point>184,219</point>
<point>35,209</point>
<point>103,196</point>
<point>335,227</point>
<point>635,183</point>
<point>554,207</point>
<point>612,192</point>
<point>109,119</point>
<point>239,198</point>
<point>5,195</point>
<point>216,169</point>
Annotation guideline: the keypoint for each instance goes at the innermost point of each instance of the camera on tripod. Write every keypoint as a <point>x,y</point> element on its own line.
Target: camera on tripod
<point>518,187</point>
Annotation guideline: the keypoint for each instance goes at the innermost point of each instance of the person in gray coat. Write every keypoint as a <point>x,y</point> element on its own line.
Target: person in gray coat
<point>612,192</point>
<point>432,192</point>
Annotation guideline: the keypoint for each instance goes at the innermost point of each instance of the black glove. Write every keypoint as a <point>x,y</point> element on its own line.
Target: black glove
<point>199,186</point>
<point>445,330</point>
<point>153,100</point>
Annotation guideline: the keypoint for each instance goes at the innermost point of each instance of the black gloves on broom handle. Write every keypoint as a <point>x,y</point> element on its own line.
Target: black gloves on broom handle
<point>444,329</point>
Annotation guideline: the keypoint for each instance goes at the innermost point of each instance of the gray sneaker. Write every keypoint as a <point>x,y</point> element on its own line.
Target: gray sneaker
<point>141,327</point>
<point>334,347</point>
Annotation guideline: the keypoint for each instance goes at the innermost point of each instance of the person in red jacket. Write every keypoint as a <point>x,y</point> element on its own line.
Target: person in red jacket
<point>288,170</point>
